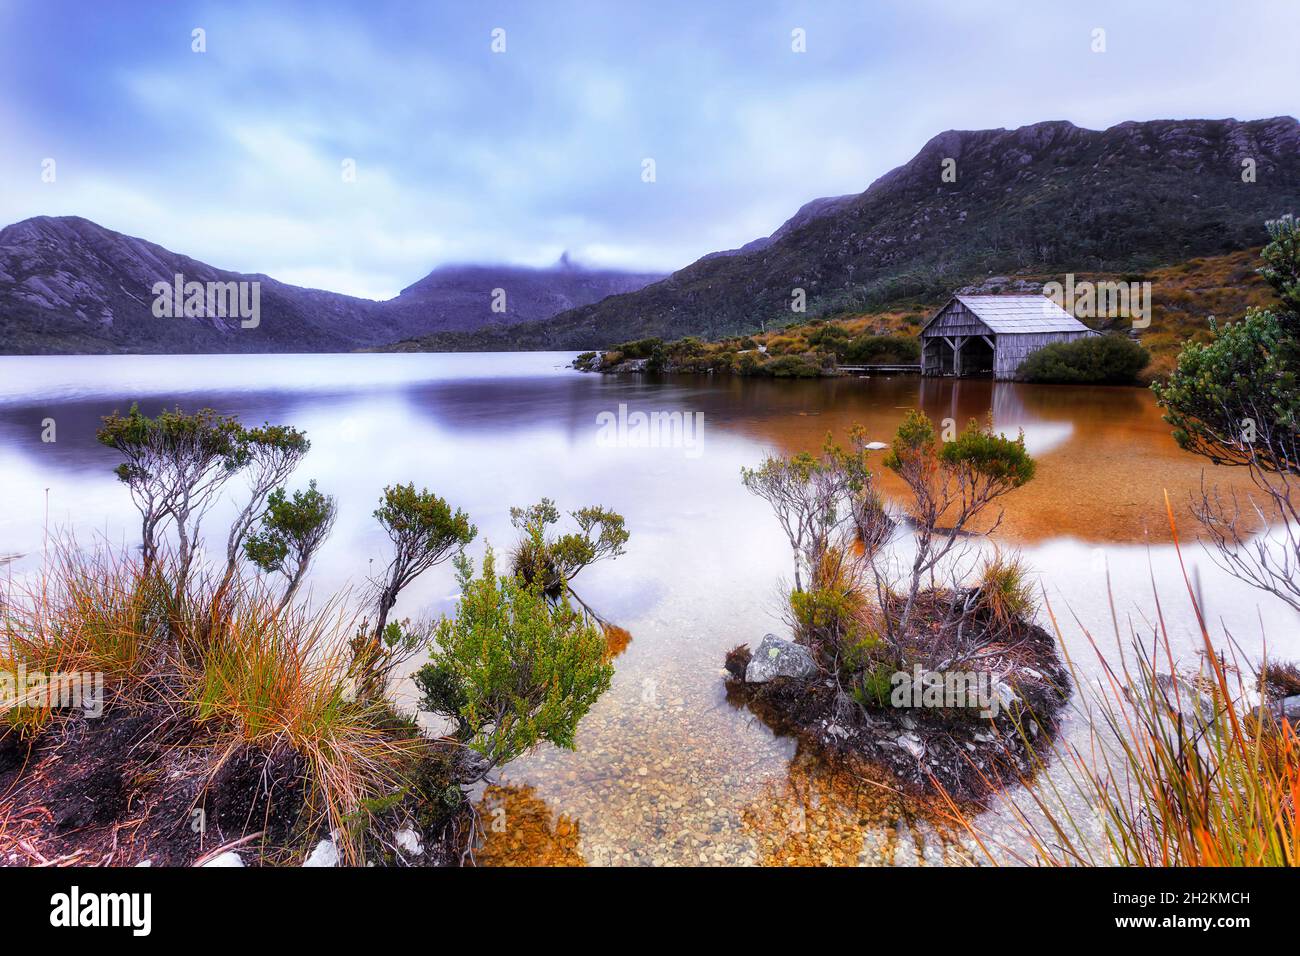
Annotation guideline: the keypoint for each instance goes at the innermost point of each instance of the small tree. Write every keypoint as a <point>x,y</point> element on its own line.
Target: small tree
<point>553,563</point>
<point>425,532</point>
<point>175,465</point>
<point>951,485</point>
<point>293,529</point>
<point>267,455</point>
<point>1236,401</point>
<point>513,668</point>
<point>814,497</point>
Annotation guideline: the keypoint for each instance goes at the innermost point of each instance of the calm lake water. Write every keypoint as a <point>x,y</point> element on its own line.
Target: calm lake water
<point>666,771</point>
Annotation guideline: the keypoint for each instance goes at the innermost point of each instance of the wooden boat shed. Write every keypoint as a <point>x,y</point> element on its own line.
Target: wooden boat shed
<point>982,335</point>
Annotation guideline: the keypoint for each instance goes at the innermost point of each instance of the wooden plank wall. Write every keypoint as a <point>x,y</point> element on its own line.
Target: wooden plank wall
<point>1014,349</point>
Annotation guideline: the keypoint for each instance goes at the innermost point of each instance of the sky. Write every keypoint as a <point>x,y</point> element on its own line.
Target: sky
<point>238,155</point>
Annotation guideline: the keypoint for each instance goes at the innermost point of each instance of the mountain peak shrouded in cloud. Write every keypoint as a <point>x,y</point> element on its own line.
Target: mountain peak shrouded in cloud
<point>70,285</point>
<point>454,153</point>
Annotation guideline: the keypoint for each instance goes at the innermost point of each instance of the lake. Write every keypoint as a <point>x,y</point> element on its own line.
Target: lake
<point>666,771</point>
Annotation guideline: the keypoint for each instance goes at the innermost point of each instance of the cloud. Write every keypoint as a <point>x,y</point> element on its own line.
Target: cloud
<point>234,156</point>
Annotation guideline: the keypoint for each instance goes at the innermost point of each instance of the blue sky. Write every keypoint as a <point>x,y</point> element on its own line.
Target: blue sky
<point>234,156</point>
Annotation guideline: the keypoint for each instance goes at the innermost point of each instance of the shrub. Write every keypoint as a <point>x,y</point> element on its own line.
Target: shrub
<point>293,529</point>
<point>552,563</point>
<point>1091,360</point>
<point>882,349</point>
<point>792,366</point>
<point>830,338</point>
<point>425,532</point>
<point>873,686</point>
<point>175,467</point>
<point>641,348</point>
<point>512,668</point>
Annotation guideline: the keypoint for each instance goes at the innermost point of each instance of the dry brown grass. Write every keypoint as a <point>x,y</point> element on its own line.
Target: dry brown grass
<point>251,676</point>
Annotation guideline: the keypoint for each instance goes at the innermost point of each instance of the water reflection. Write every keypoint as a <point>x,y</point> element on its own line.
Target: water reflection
<point>665,772</point>
<point>823,814</point>
<point>519,829</point>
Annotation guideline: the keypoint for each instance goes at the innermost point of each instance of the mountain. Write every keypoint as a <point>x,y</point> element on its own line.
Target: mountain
<point>458,298</point>
<point>70,285</point>
<point>1046,198</point>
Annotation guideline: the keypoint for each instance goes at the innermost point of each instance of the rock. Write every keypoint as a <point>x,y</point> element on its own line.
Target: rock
<point>229,858</point>
<point>912,744</point>
<point>875,446</point>
<point>145,863</point>
<point>325,854</point>
<point>1005,694</point>
<point>777,657</point>
<point>408,841</point>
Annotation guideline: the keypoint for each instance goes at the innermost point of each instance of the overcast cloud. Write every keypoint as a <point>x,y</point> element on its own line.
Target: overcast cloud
<point>234,156</point>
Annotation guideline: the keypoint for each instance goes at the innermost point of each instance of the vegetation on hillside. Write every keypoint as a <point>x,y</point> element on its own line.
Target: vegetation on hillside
<point>1044,198</point>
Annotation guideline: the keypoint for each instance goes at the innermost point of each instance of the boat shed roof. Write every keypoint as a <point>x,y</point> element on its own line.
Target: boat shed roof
<point>1012,314</point>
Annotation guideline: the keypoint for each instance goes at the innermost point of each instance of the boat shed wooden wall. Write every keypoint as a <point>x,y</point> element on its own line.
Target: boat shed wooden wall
<point>956,319</point>
<point>1010,350</point>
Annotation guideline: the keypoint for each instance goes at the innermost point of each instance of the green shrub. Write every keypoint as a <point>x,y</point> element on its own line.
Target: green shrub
<point>882,349</point>
<point>512,668</point>
<point>641,348</point>
<point>873,687</point>
<point>1092,360</point>
<point>792,366</point>
<point>830,338</point>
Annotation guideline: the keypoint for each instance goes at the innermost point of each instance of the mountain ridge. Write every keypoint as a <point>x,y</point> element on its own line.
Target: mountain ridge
<point>1046,197</point>
<point>68,284</point>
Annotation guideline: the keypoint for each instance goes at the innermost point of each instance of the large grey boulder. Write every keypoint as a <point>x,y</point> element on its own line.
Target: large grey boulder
<point>777,657</point>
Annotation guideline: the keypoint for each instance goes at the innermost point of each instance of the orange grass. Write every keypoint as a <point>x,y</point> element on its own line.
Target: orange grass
<point>1184,772</point>
<point>247,675</point>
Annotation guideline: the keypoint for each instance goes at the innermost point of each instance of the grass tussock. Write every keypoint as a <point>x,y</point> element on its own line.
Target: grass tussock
<point>82,614</point>
<point>244,675</point>
<point>1006,590</point>
<point>1177,769</point>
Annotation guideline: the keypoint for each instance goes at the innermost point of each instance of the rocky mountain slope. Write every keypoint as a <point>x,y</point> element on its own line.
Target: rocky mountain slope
<point>70,285</point>
<point>1050,197</point>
